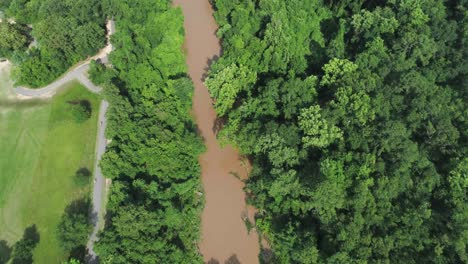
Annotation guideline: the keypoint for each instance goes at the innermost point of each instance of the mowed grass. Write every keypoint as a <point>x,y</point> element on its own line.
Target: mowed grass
<point>41,148</point>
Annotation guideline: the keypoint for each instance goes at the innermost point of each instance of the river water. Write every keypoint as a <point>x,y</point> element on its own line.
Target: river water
<point>224,232</point>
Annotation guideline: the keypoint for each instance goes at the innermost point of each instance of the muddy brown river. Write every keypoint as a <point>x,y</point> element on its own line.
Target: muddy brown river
<point>224,233</point>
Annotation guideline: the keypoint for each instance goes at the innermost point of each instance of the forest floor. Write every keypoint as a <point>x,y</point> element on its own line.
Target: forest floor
<point>42,149</point>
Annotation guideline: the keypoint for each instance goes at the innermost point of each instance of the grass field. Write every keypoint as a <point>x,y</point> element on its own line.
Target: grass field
<point>41,148</point>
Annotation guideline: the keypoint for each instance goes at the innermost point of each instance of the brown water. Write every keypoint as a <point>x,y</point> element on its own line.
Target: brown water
<point>224,233</point>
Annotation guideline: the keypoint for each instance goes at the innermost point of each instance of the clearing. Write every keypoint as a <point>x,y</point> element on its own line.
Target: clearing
<point>42,148</point>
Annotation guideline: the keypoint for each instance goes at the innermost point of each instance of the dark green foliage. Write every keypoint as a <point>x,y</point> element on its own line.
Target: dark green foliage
<point>74,227</point>
<point>80,110</point>
<point>355,116</point>
<point>5,252</point>
<point>23,249</point>
<point>153,210</point>
<point>66,32</point>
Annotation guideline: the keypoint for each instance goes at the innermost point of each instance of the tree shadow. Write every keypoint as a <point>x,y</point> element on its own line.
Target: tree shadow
<point>79,253</point>
<point>267,256</point>
<point>81,109</point>
<point>23,249</point>
<point>5,252</point>
<point>31,234</point>
<point>91,259</point>
<point>82,177</point>
<point>218,124</point>
<point>79,206</point>
<point>212,261</point>
<point>83,172</point>
<point>232,260</point>
<point>208,66</point>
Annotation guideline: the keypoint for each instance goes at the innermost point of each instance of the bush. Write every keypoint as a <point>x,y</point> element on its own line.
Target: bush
<point>97,72</point>
<point>81,110</point>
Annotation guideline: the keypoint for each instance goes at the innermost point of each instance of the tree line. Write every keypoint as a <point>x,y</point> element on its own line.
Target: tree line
<point>354,114</point>
<point>153,211</point>
<point>65,32</point>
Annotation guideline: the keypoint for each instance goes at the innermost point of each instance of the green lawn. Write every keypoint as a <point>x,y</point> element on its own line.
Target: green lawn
<point>41,148</point>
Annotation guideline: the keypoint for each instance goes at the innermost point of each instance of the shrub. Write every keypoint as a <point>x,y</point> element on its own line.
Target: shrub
<point>81,110</point>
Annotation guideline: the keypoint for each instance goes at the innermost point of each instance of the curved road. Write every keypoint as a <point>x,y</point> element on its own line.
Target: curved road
<point>79,73</point>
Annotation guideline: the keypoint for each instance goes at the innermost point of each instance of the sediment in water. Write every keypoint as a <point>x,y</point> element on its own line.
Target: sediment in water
<point>224,232</point>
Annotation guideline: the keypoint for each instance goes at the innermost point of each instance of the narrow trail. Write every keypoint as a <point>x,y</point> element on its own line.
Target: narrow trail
<point>224,233</point>
<point>99,187</point>
<point>79,72</point>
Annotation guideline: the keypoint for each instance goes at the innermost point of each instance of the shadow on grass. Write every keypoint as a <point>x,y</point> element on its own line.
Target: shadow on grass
<point>82,177</point>
<point>23,249</point>
<point>83,172</point>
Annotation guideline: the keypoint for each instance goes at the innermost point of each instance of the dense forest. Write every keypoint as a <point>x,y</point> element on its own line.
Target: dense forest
<point>65,32</point>
<point>354,114</point>
<point>153,210</point>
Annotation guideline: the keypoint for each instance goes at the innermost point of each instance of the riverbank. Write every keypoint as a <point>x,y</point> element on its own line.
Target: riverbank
<point>224,230</point>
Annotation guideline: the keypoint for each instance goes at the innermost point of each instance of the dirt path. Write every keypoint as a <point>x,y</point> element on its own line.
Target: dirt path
<point>224,233</point>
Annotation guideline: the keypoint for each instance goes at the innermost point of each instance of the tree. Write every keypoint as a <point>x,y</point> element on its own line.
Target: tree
<point>74,227</point>
<point>317,131</point>
<point>66,32</point>
<point>354,123</point>
<point>227,84</point>
<point>81,110</point>
<point>13,38</point>
<point>153,212</point>
<point>23,249</point>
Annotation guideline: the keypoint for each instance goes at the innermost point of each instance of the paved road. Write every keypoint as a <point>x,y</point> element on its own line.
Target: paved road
<point>79,72</point>
<point>99,181</point>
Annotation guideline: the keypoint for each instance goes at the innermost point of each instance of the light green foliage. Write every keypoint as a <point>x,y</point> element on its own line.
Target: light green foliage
<point>338,70</point>
<point>318,131</point>
<point>227,84</point>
